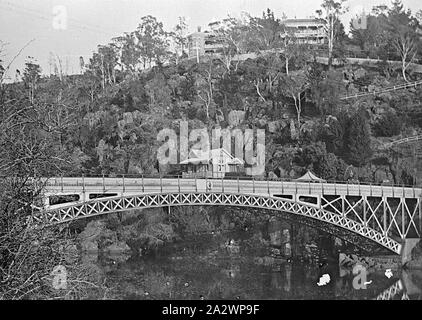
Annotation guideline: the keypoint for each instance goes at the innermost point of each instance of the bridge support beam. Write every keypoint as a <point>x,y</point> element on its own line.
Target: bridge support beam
<point>411,253</point>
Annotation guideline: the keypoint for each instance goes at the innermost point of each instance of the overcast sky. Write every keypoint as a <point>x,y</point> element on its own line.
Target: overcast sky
<point>93,22</point>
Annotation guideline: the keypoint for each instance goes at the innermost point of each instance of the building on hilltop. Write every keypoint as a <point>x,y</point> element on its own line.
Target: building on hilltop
<point>203,42</point>
<point>307,30</point>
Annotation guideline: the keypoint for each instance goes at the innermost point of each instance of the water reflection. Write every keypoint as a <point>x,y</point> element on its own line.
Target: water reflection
<point>211,272</point>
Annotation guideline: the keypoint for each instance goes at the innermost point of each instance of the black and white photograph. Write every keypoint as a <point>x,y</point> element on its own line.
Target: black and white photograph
<point>205,158</point>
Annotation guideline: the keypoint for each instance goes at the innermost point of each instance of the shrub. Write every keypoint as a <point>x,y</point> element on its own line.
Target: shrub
<point>388,125</point>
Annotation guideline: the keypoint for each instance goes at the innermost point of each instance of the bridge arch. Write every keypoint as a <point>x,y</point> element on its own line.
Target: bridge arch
<point>104,206</point>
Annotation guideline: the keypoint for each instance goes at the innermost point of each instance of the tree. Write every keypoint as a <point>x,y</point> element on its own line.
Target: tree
<point>151,41</point>
<point>371,37</point>
<point>404,38</point>
<point>31,77</point>
<point>179,37</point>
<point>205,86</point>
<point>330,14</point>
<point>325,89</point>
<point>29,254</point>
<point>230,32</point>
<point>294,86</point>
<point>293,50</point>
<point>147,45</point>
<point>103,64</point>
<point>388,125</point>
<point>358,139</point>
<point>264,33</point>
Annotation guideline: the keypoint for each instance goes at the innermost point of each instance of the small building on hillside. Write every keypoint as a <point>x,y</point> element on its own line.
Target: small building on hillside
<point>307,31</point>
<point>215,163</point>
<point>204,43</point>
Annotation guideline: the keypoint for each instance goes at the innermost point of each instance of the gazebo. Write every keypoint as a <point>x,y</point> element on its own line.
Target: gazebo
<point>309,177</point>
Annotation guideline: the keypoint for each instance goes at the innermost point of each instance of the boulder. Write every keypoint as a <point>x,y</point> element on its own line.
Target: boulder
<point>360,73</point>
<point>416,258</point>
<point>92,231</point>
<point>117,247</point>
<point>262,123</point>
<point>71,253</point>
<point>276,238</point>
<point>293,132</point>
<point>89,246</point>
<point>288,250</point>
<point>94,234</point>
<point>275,126</point>
<point>236,117</point>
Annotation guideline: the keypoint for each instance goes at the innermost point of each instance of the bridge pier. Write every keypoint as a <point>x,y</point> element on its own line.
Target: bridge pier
<point>411,253</point>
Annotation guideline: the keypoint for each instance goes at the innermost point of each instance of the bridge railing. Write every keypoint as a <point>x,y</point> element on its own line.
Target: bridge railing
<point>163,181</point>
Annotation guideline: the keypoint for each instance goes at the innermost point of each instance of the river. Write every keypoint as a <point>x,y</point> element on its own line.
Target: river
<point>205,268</point>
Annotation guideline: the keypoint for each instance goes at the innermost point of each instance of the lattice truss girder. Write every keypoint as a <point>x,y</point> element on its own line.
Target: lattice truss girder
<point>394,217</point>
<point>392,292</point>
<point>349,217</point>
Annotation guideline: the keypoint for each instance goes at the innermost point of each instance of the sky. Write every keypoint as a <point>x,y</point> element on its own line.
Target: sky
<point>42,29</point>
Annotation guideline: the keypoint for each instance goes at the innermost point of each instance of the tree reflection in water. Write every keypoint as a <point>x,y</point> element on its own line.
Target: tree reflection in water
<point>212,273</point>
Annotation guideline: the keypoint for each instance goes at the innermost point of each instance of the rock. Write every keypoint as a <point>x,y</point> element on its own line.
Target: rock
<point>71,253</point>
<point>153,216</point>
<point>89,246</point>
<point>236,117</point>
<point>386,97</point>
<point>92,231</point>
<point>416,254</point>
<point>118,247</point>
<point>360,73</point>
<point>338,242</point>
<point>94,234</point>
<point>89,257</point>
<point>288,250</point>
<point>128,217</point>
<point>371,88</point>
<point>233,249</point>
<point>275,126</point>
<point>293,131</point>
<point>286,235</point>
<point>276,238</point>
<point>118,257</point>
<point>262,123</point>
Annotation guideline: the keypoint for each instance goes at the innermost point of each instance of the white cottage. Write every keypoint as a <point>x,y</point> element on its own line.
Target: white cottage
<point>214,163</point>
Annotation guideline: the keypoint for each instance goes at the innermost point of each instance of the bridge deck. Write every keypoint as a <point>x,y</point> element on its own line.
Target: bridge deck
<point>128,186</point>
<point>381,213</point>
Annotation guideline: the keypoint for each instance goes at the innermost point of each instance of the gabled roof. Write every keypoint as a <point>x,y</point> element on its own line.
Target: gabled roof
<point>199,156</point>
<point>309,176</point>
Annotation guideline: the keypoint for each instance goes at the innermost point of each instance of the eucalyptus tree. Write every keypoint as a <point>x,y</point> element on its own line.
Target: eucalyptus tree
<point>402,27</point>
<point>330,13</point>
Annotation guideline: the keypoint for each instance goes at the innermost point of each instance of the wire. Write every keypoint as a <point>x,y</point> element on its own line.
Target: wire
<point>34,13</point>
<point>386,90</point>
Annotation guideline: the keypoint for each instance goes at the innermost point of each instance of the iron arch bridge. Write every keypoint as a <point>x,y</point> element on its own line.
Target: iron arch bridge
<point>386,215</point>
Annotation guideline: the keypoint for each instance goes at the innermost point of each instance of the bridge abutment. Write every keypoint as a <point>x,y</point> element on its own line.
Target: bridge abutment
<point>411,253</point>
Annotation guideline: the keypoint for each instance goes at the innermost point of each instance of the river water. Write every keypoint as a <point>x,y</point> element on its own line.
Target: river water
<point>205,268</point>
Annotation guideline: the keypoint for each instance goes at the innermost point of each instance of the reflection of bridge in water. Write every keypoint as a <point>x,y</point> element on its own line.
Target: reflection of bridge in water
<point>404,288</point>
<point>387,215</point>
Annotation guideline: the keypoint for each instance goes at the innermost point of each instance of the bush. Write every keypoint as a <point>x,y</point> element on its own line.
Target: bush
<point>388,125</point>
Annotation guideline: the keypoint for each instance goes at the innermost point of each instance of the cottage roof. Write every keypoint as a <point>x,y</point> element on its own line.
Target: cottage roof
<point>197,156</point>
